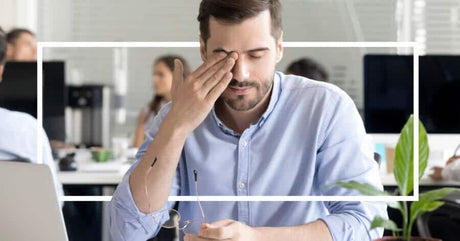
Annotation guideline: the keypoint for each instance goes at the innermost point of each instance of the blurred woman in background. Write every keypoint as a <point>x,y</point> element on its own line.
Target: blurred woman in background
<point>163,68</point>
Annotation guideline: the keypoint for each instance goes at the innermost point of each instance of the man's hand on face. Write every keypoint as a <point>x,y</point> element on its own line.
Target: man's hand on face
<point>225,229</point>
<point>193,97</point>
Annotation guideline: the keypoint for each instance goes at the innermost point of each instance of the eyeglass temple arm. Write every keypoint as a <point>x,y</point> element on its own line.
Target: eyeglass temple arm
<point>195,173</point>
<point>145,180</point>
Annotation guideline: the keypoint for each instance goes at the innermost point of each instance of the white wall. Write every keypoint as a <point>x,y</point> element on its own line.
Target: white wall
<point>7,14</point>
<point>18,13</point>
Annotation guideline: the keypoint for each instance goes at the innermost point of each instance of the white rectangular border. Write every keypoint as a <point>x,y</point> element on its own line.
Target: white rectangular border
<point>413,45</point>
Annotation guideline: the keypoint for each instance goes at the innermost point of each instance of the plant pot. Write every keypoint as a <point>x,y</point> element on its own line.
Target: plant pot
<point>389,238</point>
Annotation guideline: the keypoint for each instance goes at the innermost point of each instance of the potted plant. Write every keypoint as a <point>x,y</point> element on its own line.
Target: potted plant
<point>403,170</point>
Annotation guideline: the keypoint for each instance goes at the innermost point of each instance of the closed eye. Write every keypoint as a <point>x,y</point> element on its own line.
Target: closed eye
<point>256,55</point>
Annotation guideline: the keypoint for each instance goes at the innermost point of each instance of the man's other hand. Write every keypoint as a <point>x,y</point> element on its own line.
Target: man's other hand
<point>225,229</point>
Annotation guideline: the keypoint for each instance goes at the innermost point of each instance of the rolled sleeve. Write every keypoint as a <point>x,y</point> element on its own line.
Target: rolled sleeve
<point>127,222</point>
<point>352,220</point>
<point>347,155</point>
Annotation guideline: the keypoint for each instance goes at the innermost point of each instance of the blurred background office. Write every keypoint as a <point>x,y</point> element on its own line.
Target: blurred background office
<point>93,96</point>
<point>127,71</point>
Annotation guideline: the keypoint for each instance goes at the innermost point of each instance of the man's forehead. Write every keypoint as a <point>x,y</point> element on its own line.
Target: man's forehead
<point>251,34</point>
<point>26,36</point>
<point>261,18</point>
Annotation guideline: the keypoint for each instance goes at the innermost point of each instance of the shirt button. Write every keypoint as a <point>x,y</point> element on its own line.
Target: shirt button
<point>242,185</point>
<point>244,143</point>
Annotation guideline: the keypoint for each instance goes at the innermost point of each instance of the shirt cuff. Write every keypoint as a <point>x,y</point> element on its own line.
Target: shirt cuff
<point>127,212</point>
<point>338,226</point>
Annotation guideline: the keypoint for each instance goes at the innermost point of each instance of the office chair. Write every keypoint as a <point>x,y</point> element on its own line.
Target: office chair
<point>443,223</point>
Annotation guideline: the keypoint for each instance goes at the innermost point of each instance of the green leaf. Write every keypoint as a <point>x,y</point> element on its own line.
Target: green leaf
<point>363,188</point>
<point>423,208</point>
<point>436,194</point>
<point>423,150</point>
<point>384,223</point>
<point>404,158</point>
<point>427,201</point>
<point>394,204</point>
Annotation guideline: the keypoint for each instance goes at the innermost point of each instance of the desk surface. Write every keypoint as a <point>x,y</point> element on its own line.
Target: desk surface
<point>113,178</point>
<point>90,178</point>
<point>92,173</point>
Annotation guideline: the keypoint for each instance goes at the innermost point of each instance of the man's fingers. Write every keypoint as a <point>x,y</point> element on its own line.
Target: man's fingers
<point>219,88</point>
<point>218,76</point>
<point>220,223</point>
<point>219,233</point>
<point>221,230</point>
<point>189,237</point>
<point>208,64</point>
<point>210,72</point>
<point>178,73</point>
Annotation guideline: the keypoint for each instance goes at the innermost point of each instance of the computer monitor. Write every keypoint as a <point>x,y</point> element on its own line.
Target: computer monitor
<point>54,100</point>
<point>388,93</point>
<point>439,102</point>
<point>18,91</point>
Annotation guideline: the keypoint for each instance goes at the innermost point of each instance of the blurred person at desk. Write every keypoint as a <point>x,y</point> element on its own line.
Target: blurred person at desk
<point>163,68</point>
<point>451,171</point>
<point>237,127</point>
<point>22,45</point>
<point>308,68</point>
<point>18,132</point>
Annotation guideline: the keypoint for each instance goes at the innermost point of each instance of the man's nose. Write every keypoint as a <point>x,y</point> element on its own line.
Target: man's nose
<point>241,69</point>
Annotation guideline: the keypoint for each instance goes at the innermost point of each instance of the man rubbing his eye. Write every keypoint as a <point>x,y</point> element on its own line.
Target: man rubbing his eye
<point>249,130</point>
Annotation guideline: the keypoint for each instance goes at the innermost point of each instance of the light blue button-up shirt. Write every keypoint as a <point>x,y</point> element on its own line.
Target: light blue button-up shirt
<point>18,140</point>
<point>311,135</point>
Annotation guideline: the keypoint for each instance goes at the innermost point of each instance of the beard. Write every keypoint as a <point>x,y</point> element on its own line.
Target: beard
<point>244,102</point>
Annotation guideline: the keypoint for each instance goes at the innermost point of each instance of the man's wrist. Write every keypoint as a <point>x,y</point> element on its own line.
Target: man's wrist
<point>258,234</point>
<point>175,127</point>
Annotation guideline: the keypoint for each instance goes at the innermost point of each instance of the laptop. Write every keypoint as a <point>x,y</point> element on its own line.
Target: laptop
<point>29,208</point>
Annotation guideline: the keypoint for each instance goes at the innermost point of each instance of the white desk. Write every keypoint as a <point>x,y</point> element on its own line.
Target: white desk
<point>113,178</point>
<point>90,178</point>
<point>389,180</point>
<point>93,173</point>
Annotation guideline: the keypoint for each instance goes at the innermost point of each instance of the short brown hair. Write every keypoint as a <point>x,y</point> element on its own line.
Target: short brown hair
<point>14,34</point>
<point>2,47</point>
<point>236,11</point>
<point>308,68</point>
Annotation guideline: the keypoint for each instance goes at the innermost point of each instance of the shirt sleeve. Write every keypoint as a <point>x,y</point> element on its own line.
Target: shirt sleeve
<point>346,154</point>
<point>127,222</point>
<point>452,171</point>
<point>48,160</point>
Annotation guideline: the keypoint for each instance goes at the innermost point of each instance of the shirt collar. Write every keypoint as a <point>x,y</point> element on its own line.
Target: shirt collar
<point>276,91</point>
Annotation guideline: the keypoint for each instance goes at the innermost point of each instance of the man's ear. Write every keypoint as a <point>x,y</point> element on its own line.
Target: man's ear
<point>279,48</point>
<point>1,72</point>
<point>203,50</point>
